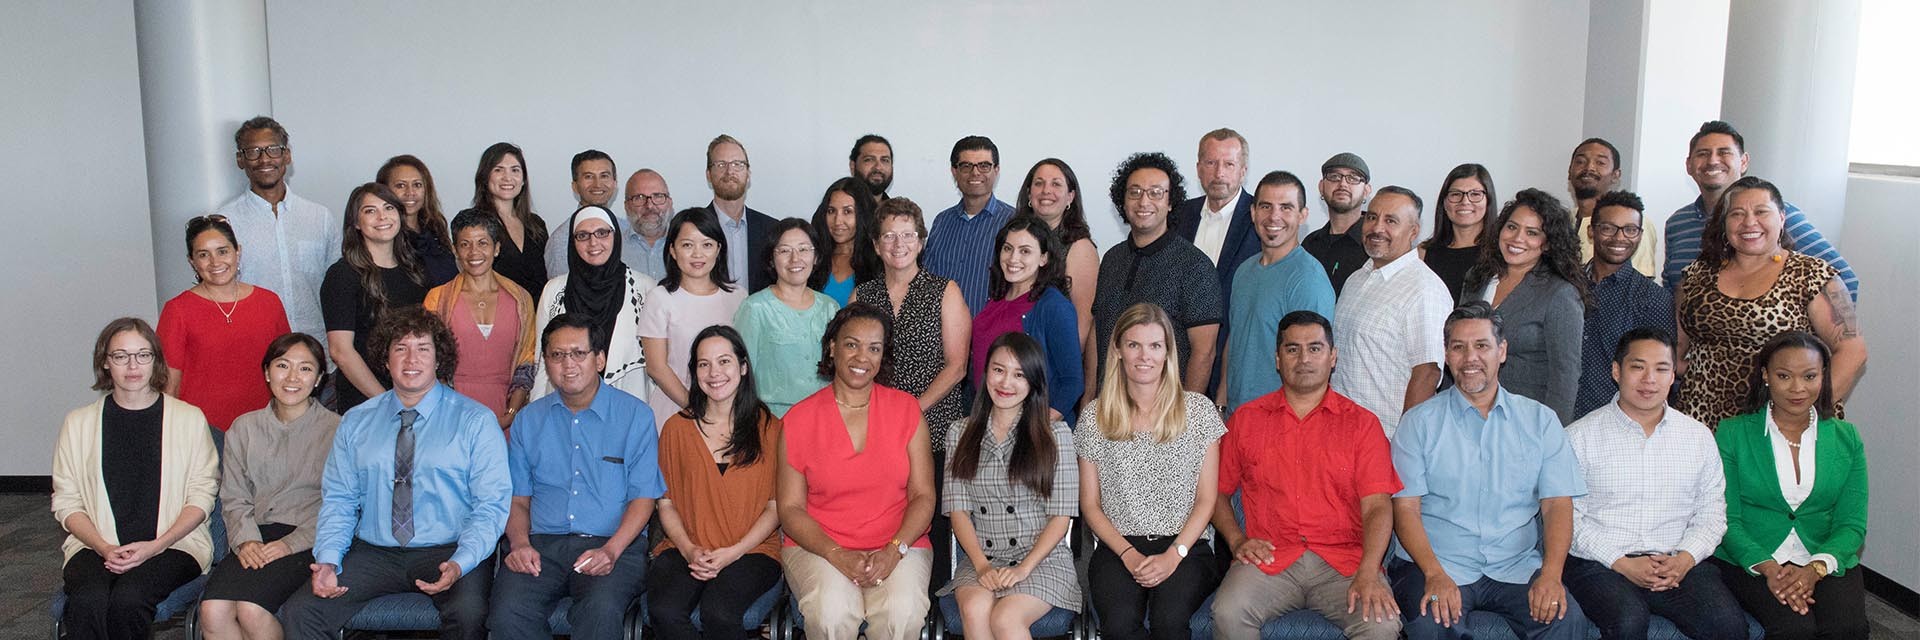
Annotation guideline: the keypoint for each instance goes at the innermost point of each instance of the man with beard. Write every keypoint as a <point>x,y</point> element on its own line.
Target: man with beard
<point>960,243</point>
<point>1486,516</point>
<point>1338,245</point>
<point>1623,298</point>
<point>594,180</point>
<point>290,241</point>
<point>1388,327</point>
<point>1286,280</point>
<point>872,160</point>
<point>649,207</point>
<point>730,175</point>
<point>1594,170</point>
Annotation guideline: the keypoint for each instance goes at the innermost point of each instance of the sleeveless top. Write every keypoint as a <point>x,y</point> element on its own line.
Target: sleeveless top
<point>1725,333</point>
<point>917,344</point>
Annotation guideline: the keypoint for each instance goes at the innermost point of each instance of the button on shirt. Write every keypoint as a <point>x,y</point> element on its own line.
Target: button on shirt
<point>461,489</point>
<point>287,253</point>
<point>1392,321</point>
<point>1663,493</point>
<point>960,248</point>
<point>1480,481</point>
<point>1301,479</point>
<point>1622,302</point>
<point>1685,226</point>
<point>581,469</point>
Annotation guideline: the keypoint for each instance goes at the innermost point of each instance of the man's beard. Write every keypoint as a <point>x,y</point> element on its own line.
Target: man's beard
<point>730,190</point>
<point>1585,193</point>
<point>879,188</point>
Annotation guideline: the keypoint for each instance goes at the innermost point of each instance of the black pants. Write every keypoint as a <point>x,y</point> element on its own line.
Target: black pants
<point>673,594</point>
<point>939,532</point>
<point>1701,607</point>
<point>370,571</point>
<point>1839,608</point>
<point>1129,611</point>
<point>104,604</point>
<point>523,603</point>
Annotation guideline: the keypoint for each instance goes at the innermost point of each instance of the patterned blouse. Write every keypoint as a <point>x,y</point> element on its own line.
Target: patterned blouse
<point>1146,487</point>
<point>1008,517</point>
<point>917,346</point>
<point>1724,333</point>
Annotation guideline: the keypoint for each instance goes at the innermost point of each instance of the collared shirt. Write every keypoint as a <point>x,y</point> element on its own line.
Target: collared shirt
<point>1622,302</point>
<point>1301,479</point>
<point>582,468</point>
<point>1664,493</point>
<point>1795,488</point>
<point>1393,320</point>
<point>1685,226</point>
<point>1294,282</point>
<point>1342,254</point>
<point>737,248</point>
<point>287,253</point>
<point>960,248</point>
<point>1645,258</point>
<point>461,489</point>
<point>1169,272</point>
<point>270,473</point>
<point>1210,235</point>
<point>1480,481</point>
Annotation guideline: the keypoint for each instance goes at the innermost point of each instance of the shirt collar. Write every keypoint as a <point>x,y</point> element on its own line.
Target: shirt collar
<point>1232,205</point>
<point>1461,403</point>
<point>1772,429</point>
<point>426,406</point>
<point>1402,263</point>
<point>1151,247</point>
<point>727,221</point>
<point>1627,423</point>
<point>1624,269</point>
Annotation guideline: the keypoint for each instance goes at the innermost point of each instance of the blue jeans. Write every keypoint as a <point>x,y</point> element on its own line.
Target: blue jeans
<point>522,603</point>
<point>1701,607</point>
<point>1485,594</point>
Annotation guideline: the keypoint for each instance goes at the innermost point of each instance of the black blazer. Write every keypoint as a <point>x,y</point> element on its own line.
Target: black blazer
<point>1241,243</point>
<point>759,227</point>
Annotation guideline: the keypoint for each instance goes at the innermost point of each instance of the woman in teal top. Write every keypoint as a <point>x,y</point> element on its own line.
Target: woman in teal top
<point>1796,498</point>
<point>782,324</point>
<point>843,227</point>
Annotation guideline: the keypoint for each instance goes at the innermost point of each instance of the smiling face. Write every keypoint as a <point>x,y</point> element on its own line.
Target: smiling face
<point>1146,201</point>
<point>874,164</point>
<point>1006,384</point>
<point>475,250</point>
<point>1715,162</point>
<point>1389,226</point>
<point>1591,172</point>
<point>1467,212</point>
<point>841,218</point>
<point>1306,358</point>
<point>717,368</point>
<point>377,219</point>
<point>1143,353</point>
<point>588,241</point>
<point>1475,355</point>
<point>899,242</point>
<point>131,376</point>
<point>264,172</point>
<point>1523,238</point>
<point>291,376</point>
<point>1049,194</point>
<point>411,361</point>
<point>594,182</point>
<point>728,173</point>
<point>1793,378</point>
<point>649,205</point>
<point>407,183</point>
<point>1020,260</point>
<point>506,178</point>
<point>1615,232</point>
<point>793,257</point>
<point>694,252</point>
<point>1753,222</point>
<point>857,351</point>
<point>1644,375</point>
<point>1278,211</point>
<point>572,364</point>
<point>977,181</point>
<point>214,258</point>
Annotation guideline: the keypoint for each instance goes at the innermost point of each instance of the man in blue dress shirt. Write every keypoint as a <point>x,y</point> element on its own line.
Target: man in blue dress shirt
<point>960,244</point>
<point>1485,473</point>
<point>585,475</point>
<point>414,495</point>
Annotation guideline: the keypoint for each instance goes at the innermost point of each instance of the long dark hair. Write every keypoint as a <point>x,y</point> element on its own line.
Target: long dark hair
<point>353,248</point>
<point>432,222</point>
<point>1073,221</point>
<point>1559,258</point>
<point>865,259</point>
<point>1034,451</point>
<point>743,445</point>
<point>1053,274</point>
<point>1757,393</point>
<point>534,228</point>
<point>1443,225</point>
<point>705,221</point>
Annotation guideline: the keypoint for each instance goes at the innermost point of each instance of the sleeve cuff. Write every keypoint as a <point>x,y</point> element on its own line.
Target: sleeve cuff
<point>1833,564</point>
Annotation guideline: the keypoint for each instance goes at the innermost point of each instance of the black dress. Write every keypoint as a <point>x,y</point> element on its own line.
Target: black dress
<point>525,266</point>
<point>344,307</point>
<point>435,255</point>
<point>1451,265</point>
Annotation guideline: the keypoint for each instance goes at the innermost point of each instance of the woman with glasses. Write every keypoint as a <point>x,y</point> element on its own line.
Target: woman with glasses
<point>844,224</point>
<point>782,324</point>
<point>931,327</point>
<point>218,328</point>
<point>599,285</point>
<point>134,477</point>
<point>500,189</point>
<point>1532,277</point>
<point>408,177</point>
<point>1460,225</point>
<point>491,319</point>
<point>376,273</point>
<point>697,293</point>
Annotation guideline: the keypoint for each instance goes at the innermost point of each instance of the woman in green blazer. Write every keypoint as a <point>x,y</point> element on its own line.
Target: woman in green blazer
<point>1796,498</point>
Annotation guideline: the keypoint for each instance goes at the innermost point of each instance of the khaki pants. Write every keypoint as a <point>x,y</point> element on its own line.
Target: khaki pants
<point>1248,598</point>
<point>834,608</point>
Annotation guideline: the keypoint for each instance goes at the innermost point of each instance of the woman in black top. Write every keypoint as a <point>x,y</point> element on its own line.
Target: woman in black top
<point>1460,225</point>
<point>500,188</point>
<point>370,278</point>
<point>427,230</point>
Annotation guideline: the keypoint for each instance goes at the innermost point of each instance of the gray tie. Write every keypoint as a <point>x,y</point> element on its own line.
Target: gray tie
<point>403,479</point>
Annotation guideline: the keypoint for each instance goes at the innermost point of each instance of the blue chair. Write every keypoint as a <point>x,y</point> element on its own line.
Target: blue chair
<point>415,612</point>
<point>1057,623</point>
<point>762,611</point>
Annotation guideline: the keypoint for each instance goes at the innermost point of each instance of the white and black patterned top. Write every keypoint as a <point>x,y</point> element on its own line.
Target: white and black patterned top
<point>917,346</point>
<point>1146,487</point>
<point>1008,517</point>
<point>626,363</point>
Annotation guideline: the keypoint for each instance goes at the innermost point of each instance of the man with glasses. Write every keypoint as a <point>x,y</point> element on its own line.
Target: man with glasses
<point>960,244</point>
<point>1339,245</point>
<point>585,477</point>
<point>1623,298</point>
<point>872,161</point>
<point>730,175</point>
<point>595,181</point>
<point>1594,170</point>
<point>289,241</point>
<point>1156,265</point>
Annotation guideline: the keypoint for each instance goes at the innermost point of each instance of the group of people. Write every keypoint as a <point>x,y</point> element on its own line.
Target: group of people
<point>694,405</point>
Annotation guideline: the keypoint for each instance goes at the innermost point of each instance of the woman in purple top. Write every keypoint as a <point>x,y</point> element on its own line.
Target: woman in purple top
<point>1027,292</point>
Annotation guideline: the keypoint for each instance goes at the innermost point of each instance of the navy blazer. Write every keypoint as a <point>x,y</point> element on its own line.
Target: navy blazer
<point>1241,243</point>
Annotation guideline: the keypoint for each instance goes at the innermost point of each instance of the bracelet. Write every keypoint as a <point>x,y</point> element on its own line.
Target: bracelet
<point>1123,552</point>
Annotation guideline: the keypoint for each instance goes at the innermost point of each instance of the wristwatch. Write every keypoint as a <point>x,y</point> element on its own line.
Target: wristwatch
<point>1181,549</point>
<point>901,547</point>
<point>1819,568</point>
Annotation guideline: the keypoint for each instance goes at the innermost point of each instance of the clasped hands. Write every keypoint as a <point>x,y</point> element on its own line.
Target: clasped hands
<point>865,568</point>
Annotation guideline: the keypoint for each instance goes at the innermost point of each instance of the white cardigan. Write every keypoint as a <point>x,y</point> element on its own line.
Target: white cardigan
<point>626,363</point>
<point>189,475</point>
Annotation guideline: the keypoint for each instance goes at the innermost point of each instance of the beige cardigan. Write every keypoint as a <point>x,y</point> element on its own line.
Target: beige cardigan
<point>189,475</point>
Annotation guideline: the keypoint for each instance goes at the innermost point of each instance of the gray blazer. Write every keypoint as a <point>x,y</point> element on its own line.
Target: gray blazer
<point>1543,320</point>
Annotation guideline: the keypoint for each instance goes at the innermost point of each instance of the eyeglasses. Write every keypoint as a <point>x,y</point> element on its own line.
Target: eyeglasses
<point>120,358</point>
<point>973,167</point>
<point>1350,178</point>
<point>209,218</point>
<point>272,151</point>
<point>728,165</point>
<point>788,252</point>
<point>1609,230</point>
<point>596,234</point>
<point>1134,193</point>
<point>896,237</point>
<point>575,355</point>
<point>1456,196</point>
<point>650,198</point>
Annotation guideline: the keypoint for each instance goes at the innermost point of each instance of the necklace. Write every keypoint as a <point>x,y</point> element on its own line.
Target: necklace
<point>845,405</point>
<point>226,312</point>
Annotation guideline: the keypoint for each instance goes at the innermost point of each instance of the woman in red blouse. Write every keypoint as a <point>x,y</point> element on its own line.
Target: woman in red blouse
<point>216,332</point>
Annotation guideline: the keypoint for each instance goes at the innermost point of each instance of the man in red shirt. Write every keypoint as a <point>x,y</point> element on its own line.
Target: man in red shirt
<point>1315,477</point>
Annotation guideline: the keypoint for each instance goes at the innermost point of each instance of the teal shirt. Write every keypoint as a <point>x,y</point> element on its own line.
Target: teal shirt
<point>783,346</point>
<point>1294,282</point>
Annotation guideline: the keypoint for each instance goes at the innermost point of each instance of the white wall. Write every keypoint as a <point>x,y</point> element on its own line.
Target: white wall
<point>1879,240</point>
<point>1414,87</point>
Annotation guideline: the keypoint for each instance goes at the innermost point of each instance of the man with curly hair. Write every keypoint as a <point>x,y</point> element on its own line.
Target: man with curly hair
<point>1158,266</point>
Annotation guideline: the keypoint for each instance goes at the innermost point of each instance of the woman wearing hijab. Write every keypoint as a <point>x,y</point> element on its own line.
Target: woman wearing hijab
<point>599,285</point>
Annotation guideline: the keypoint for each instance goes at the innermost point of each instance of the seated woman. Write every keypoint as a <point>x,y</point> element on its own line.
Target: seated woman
<point>1149,473</point>
<point>491,318</point>
<point>1796,498</point>
<point>215,342</point>
<point>1010,453</point>
<point>1026,295</point>
<point>856,491</point>
<point>375,274</point>
<point>137,528</point>
<point>270,495</point>
<point>782,324</point>
<point>719,515</point>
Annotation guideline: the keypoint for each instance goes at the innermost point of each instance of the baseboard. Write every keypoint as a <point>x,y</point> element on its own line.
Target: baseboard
<point>26,484</point>
<point>1894,593</point>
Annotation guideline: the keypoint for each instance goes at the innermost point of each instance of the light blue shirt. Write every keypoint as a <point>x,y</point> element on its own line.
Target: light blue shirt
<point>461,491</point>
<point>287,252</point>
<point>737,247</point>
<point>1295,282</point>
<point>581,469</point>
<point>1480,481</point>
<point>961,249</point>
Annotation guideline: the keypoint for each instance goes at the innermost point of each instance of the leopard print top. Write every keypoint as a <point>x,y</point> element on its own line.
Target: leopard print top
<point>1725,333</point>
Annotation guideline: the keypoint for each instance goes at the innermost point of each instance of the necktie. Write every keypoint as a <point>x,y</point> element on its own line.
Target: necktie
<point>403,479</point>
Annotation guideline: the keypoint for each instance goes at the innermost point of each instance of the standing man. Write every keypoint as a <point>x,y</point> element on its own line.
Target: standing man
<point>1344,186</point>
<point>1315,479</point>
<point>1155,265</point>
<point>585,477</point>
<point>288,241</point>
<point>649,207</point>
<point>594,182</point>
<point>1656,505</point>
<point>1595,170</point>
<point>872,161</point>
<point>1390,324</point>
<point>1623,299</point>
<point>1716,157</point>
<point>730,175</point>
<point>1220,221</point>
<point>1285,278</point>
<point>960,244</point>
<point>414,496</point>
<point>1490,482</point>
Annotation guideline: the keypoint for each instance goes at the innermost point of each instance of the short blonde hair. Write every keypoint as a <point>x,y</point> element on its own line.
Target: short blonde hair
<point>1114,408</point>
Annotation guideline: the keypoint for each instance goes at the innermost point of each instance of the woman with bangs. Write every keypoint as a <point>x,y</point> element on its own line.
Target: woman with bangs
<point>697,293</point>
<point>374,274</point>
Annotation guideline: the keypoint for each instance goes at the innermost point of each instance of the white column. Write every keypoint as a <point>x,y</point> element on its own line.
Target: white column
<point>203,71</point>
<point>1653,75</point>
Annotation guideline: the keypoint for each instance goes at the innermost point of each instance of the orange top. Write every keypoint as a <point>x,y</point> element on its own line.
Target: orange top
<point>717,508</point>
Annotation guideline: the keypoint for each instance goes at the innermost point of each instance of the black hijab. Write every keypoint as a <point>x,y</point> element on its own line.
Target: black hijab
<point>596,291</point>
